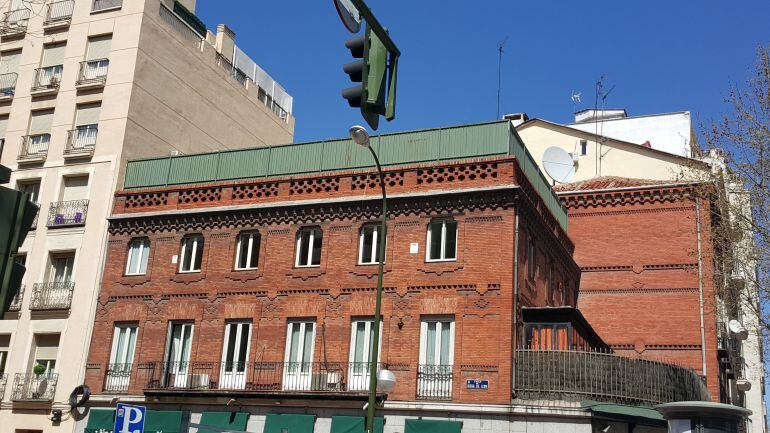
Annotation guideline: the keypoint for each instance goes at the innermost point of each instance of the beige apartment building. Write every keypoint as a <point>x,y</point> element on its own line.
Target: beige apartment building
<point>86,85</point>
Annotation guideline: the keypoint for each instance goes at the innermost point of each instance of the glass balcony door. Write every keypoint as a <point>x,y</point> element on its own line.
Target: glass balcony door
<point>361,336</point>
<point>436,358</point>
<point>235,354</point>
<point>297,372</point>
<point>178,354</point>
<point>121,358</point>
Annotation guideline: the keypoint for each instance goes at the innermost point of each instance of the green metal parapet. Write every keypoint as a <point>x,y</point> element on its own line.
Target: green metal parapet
<point>400,148</point>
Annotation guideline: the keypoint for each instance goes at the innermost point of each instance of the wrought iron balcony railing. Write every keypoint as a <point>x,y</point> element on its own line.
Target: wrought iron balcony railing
<point>59,12</point>
<point>51,296</point>
<point>93,72</point>
<point>333,377</point>
<point>34,147</point>
<point>8,84</point>
<point>34,387</point>
<point>572,375</point>
<point>102,5</point>
<point>3,383</point>
<point>16,301</point>
<point>434,382</point>
<point>47,78</point>
<point>81,141</point>
<point>14,22</point>
<point>67,213</point>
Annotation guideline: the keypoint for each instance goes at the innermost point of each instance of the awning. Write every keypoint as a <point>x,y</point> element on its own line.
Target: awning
<point>225,420</point>
<point>623,413</point>
<point>294,423</point>
<point>355,424</point>
<point>432,426</point>
<point>158,421</point>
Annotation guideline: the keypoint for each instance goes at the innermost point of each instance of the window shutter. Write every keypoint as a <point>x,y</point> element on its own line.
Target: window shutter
<point>88,114</point>
<point>53,55</point>
<point>47,346</point>
<point>41,123</point>
<point>9,62</point>
<point>5,341</point>
<point>75,188</point>
<point>99,47</point>
<point>3,126</point>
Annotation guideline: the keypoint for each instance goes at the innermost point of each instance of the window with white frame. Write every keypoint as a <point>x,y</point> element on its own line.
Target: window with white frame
<point>247,251</point>
<point>191,255</point>
<point>369,244</point>
<point>361,337</point>
<point>123,345</point>
<point>298,357</point>
<point>442,240</point>
<point>5,344</point>
<point>138,254</point>
<point>309,241</point>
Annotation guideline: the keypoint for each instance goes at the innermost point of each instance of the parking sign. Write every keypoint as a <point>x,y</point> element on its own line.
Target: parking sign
<point>129,418</point>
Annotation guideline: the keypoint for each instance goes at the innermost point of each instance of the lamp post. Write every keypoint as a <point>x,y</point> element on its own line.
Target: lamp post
<point>361,137</point>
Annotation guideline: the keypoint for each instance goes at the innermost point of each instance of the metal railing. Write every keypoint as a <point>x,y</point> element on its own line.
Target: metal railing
<point>15,304</point>
<point>51,296</point>
<point>15,22</point>
<point>34,146</point>
<point>93,71</point>
<point>59,12</point>
<point>180,26</point>
<point>47,78</point>
<point>261,376</point>
<point>81,140</point>
<point>67,213</point>
<point>573,375</point>
<point>100,5</point>
<point>8,84</point>
<point>234,72</point>
<point>118,377</point>
<point>3,383</point>
<point>434,382</point>
<point>34,387</point>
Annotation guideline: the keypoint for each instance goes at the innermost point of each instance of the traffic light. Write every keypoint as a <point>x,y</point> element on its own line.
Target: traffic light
<point>371,72</point>
<point>17,214</point>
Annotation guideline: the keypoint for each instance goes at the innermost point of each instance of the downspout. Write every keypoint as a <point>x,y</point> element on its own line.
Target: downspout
<point>515,297</point>
<point>700,287</point>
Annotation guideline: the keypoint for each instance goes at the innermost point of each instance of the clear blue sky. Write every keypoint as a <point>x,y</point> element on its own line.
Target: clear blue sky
<point>661,56</point>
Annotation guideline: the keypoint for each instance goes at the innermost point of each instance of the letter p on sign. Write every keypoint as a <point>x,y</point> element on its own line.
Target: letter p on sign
<point>129,419</point>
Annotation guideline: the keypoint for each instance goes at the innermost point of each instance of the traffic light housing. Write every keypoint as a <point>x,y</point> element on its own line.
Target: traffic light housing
<point>374,70</point>
<point>17,214</point>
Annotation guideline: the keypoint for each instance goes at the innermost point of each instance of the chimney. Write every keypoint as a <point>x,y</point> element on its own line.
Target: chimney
<point>516,118</point>
<point>225,42</point>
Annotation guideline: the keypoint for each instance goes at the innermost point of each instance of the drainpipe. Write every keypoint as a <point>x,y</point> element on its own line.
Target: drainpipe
<point>700,287</point>
<point>515,297</point>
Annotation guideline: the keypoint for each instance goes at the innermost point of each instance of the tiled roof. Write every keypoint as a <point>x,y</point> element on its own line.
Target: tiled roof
<point>607,182</point>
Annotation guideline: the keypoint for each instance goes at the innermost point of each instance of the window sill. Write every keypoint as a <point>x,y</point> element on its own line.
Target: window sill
<point>244,275</point>
<point>440,260</point>
<point>134,280</point>
<point>188,277</point>
<point>112,9</point>
<point>307,267</point>
<point>441,267</point>
<point>306,272</point>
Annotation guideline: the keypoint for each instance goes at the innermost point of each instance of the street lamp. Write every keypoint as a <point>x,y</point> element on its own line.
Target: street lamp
<point>361,137</point>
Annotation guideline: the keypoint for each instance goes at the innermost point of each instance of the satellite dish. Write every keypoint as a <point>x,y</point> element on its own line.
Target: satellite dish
<point>559,164</point>
<point>349,15</point>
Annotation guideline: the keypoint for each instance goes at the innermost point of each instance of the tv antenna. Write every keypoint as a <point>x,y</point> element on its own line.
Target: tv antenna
<point>500,46</point>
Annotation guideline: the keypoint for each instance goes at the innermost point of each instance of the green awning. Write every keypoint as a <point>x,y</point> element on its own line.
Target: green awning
<point>294,423</point>
<point>637,414</point>
<point>355,424</point>
<point>158,421</point>
<point>100,420</point>
<point>225,420</point>
<point>432,426</point>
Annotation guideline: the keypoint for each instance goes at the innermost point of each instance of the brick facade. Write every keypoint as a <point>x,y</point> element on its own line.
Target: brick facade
<point>484,197</point>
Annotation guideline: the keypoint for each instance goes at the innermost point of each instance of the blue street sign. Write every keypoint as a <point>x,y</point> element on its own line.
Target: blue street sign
<point>477,384</point>
<point>129,418</point>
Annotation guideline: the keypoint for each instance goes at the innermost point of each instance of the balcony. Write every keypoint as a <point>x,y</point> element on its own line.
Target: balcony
<point>573,375</point>
<point>47,80</point>
<point>58,14</point>
<point>34,148</point>
<point>15,304</point>
<point>51,296</point>
<point>8,86</point>
<point>30,387</point>
<point>67,213</point>
<point>3,383</point>
<point>81,142</point>
<point>92,73</point>
<point>234,72</point>
<point>106,5</point>
<point>14,23</point>
<point>434,382</point>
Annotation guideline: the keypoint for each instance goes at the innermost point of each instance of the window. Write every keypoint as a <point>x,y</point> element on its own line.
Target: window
<point>51,66</point>
<point>309,243</point>
<point>138,253</point>
<point>235,355</point>
<point>434,372</point>
<point>86,127</point>
<point>178,346</point>
<point>442,240</point>
<point>368,245</point>
<point>5,344</point>
<point>39,132</point>
<point>32,188</point>
<point>583,147</point>
<point>9,62</point>
<point>361,336</point>
<point>530,257</point>
<point>61,269</point>
<point>247,251</point>
<point>297,372</point>
<point>121,358</point>
<point>192,254</point>
<point>46,349</point>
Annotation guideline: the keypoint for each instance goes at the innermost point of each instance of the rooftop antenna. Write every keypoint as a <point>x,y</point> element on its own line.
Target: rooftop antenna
<point>500,46</point>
